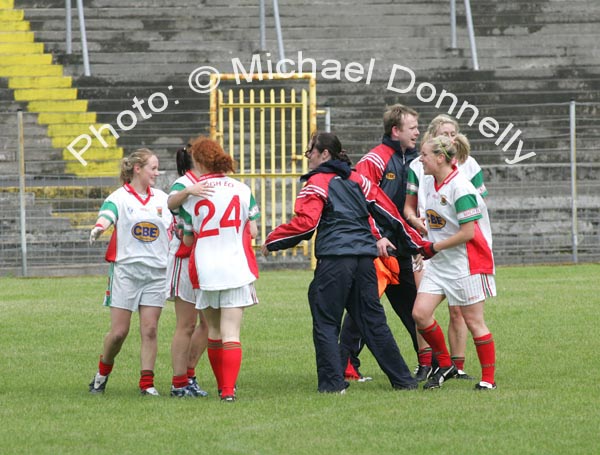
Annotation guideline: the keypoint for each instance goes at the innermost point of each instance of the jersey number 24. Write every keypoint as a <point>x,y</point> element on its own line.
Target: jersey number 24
<point>230,218</point>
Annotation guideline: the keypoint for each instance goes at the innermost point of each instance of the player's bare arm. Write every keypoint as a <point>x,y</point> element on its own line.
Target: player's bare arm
<point>200,189</point>
<point>410,214</point>
<point>253,228</point>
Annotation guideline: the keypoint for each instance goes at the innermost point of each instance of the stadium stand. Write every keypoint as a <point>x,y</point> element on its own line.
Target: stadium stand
<point>535,57</point>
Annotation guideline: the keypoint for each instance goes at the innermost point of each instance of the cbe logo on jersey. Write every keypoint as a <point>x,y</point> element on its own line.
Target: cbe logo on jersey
<point>434,220</point>
<point>145,231</point>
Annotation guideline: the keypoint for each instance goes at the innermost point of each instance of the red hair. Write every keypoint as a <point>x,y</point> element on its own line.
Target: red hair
<point>211,156</point>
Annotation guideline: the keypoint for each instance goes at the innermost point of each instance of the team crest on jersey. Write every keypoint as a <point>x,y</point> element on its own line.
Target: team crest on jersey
<point>443,200</point>
<point>435,220</point>
<point>390,176</point>
<point>145,231</point>
<point>159,211</point>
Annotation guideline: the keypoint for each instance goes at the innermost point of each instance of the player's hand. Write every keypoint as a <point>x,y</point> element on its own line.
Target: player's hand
<point>419,225</point>
<point>95,233</point>
<point>264,250</point>
<point>417,263</point>
<point>200,189</point>
<point>385,247</point>
<point>428,251</point>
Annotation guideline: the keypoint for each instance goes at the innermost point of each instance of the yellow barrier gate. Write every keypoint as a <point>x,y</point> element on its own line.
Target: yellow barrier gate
<point>267,132</point>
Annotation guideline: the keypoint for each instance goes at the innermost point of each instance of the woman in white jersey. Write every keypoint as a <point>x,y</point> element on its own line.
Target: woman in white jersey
<point>442,125</point>
<point>223,266</point>
<point>137,252</point>
<point>191,331</point>
<point>463,270</point>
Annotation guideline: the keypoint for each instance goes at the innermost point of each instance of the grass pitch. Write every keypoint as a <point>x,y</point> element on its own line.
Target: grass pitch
<point>544,322</point>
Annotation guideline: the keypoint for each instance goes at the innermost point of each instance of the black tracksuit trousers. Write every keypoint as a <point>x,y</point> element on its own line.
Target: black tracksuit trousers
<point>350,283</point>
<point>402,299</point>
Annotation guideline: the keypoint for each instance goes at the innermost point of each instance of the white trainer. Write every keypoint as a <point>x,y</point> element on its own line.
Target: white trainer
<point>150,391</point>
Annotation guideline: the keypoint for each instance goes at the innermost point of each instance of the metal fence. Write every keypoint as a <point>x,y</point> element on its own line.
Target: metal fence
<point>543,210</point>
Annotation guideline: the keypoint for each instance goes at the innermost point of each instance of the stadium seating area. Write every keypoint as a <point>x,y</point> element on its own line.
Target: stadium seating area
<point>534,56</point>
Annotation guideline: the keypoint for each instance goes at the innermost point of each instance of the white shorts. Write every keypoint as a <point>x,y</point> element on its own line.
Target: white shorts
<point>132,285</point>
<point>178,280</point>
<point>227,298</point>
<point>462,292</point>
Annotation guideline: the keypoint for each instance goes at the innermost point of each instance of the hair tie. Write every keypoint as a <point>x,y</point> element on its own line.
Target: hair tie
<point>442,148</point>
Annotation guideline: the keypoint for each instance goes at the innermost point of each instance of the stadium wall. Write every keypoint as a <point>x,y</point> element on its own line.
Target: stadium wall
<point>535,57</point>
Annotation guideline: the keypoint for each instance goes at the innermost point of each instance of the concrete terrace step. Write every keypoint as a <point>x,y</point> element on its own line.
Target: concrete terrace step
<point>486,84</point>
<point>232,32</point>
<point>414,15</point>
<point>487,101</point>
<point>201,25</point>
<point>549,9</point>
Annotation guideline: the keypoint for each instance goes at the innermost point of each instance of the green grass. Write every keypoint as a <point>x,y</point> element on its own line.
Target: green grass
<point>544,323</point>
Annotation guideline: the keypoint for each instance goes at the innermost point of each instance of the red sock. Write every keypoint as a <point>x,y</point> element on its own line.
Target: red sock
<point>215,357</point>
<point>351,372</point>
<point>104,368</point>
<point>459,362</point>
<point>425,355</point>
<point>486,351</point>
<point>191,373</point>
<point>180,381</point>
<point>146,379</point>
<point>435,338</point>
<point>232,360</point>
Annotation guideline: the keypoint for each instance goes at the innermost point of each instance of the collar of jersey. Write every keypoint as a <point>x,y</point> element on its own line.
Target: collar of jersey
<point>190,175</point>
<point>215,175</point>
<point>447,179</point>
<point>132,190</point>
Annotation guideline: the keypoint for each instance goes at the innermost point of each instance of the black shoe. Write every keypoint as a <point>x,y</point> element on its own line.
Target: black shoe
<point>460,374</point>
<point>98,383</point>
<point>183,392</point>
<point>423,372</point>
<point>193,384</point>
<point>440,375</point>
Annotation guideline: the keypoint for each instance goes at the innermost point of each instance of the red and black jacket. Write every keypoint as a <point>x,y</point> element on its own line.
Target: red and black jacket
<point>339,204</point>
<point>387,166</point>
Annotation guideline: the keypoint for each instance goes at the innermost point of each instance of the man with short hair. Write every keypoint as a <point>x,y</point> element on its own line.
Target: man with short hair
<point>387,166</point>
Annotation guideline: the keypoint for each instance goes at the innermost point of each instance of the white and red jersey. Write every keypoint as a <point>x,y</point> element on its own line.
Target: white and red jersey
<point>447,206</point>
<point>222,256</point>
<point>177,248</point>
<point>142,225</point>
<point>416,176</point>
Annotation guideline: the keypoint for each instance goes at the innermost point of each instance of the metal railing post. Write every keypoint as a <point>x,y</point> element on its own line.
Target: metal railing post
<point>574,227</point>
<point>68,26</point>
<point>22,213</point>
<point>328,119</point>
<point>453,44</point>
<point>84,48</point>
<point>471,34</point>
<point>263,37</point>
<point>327,113</point>
<point>279,36</point>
